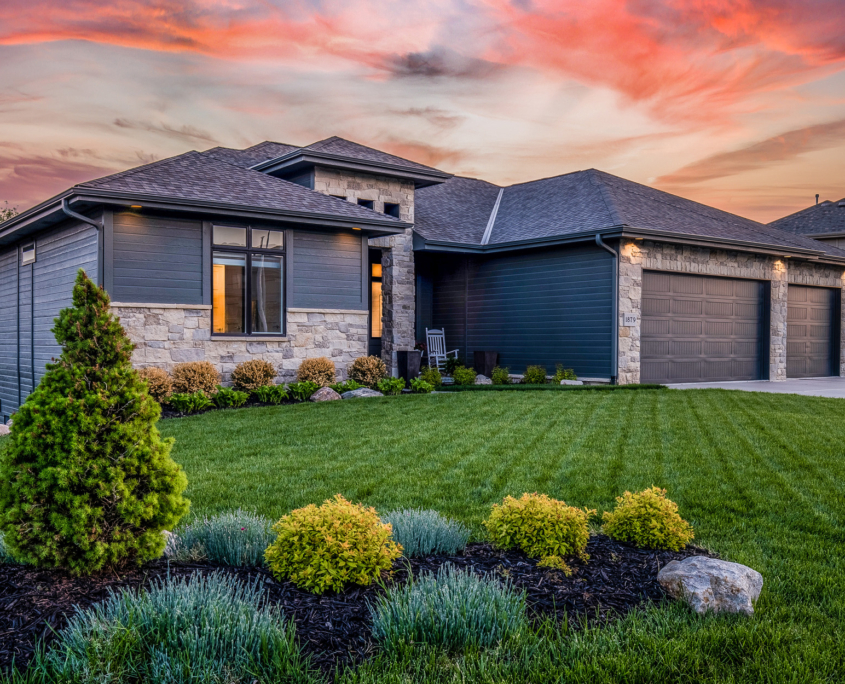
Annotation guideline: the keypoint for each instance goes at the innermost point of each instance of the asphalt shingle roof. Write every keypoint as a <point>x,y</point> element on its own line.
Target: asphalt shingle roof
<point>195,176</point>
<point>251,155</point>
<point>827,217</point>
<point>346,148</point>
<point>585,201</point>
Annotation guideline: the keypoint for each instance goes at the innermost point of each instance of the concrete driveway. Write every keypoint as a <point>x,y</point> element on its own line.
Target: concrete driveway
<point>812,387</point>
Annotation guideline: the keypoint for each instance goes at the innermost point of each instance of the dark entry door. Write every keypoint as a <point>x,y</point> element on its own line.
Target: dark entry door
<point>810,332</point>
<point>700,328</point>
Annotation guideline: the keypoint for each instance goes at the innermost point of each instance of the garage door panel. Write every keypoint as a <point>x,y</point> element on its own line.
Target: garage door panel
<point>811,327</point>
<point>704,329</point>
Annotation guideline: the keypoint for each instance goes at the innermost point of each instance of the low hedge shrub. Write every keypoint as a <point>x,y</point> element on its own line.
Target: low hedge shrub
<point>195,376</point>
<point>271,394</point>
<point>320,370</point>
<point>454,610</point>
<point>426,532</point>
<point>190,403</point>
<point>535,375</point>
<point>464,376</point>
<point>432,376</point>
<point>648,519</point>
<point>302,391</point>
<point>501,376</point>
<point>539,525</point>
<point>236,538</point>
<point>451,364</point>
<point>420,386</point>
<point>250,375</point>
<point>159,383</point>
<point>368,370</point>
<point>211,628</point>
<point>562,373</point>
<point>327,547</point>
<point>391,386</point>
<point>346,386</point>
<point>229,398</point>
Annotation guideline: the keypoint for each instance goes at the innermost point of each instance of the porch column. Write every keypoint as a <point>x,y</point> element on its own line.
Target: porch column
<point>631,255</point>
<point>777,320</point>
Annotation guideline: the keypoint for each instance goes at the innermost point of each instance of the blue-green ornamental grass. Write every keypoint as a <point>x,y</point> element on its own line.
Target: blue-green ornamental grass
<point>454,610</point>
<point>426,532</point>
<point>231,538</point>
<point>5,556</point>
<point>210,629</point>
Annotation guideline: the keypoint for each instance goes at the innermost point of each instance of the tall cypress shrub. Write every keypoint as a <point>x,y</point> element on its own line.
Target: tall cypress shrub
<point>87,482</point>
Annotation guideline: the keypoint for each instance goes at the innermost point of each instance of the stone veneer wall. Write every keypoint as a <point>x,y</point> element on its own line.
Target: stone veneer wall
<point>165,335</point>
<point>637,255</point>
<point>398,275</point>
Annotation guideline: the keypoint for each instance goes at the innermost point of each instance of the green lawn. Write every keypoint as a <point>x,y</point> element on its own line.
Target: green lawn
<point>761,477</point>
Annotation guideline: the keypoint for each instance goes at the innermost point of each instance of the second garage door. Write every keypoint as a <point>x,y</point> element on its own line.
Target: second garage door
<point>701,329</point>
<point>811,332</point>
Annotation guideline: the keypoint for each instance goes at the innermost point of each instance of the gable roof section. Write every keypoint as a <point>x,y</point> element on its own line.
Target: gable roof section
<point>455,211</point>
<point>588,202</point>
<point>250,156</point>
<point>344,154</point>
<point>827,218</point>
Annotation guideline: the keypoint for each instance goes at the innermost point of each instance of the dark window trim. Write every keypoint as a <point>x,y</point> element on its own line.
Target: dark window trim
<point>249,251</point>
<point>375,258</point>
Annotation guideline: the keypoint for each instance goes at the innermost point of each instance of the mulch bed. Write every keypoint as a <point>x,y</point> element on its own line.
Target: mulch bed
<point>335,628</point>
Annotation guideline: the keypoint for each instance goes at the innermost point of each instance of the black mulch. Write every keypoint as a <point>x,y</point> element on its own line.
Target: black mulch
<point>335,628</point>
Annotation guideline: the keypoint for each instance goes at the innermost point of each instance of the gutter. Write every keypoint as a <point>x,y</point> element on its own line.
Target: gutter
<point>614,342</point>
<point>79,217</point>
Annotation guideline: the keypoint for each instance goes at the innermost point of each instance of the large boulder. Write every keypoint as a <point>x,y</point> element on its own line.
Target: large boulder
<point>482,380</point>
<point>708,584</point>
<point>571,382</point>
<point>361,392</point>
<point>325,394</point>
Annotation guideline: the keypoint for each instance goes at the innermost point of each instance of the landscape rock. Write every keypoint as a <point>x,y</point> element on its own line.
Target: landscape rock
<point>361,392</point>
<point>482,380</point>
<point>708,584</point>
<point>325,394</point>
<point>4,429</point>
<point>571,382</point>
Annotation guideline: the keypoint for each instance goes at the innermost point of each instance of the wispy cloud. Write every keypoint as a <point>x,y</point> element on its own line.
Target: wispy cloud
<point>186,133</point>
<point>438,62</point>
<point>440,118</point>
<point>780,148</point>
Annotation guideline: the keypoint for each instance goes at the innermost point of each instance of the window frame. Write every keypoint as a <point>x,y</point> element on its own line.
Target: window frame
<point>248,251</point>
<point>380,280</point>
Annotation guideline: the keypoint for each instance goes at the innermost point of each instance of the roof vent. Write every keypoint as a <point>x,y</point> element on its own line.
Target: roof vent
<point>842,203</point>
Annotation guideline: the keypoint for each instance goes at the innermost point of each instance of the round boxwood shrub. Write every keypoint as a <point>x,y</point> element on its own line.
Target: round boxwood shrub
<point>250,375</point>
<point>159,383</point>
<point>195,376</point>
<point>329,546</point>
<point>648,519</point>
<point>368,370</point>
<point>534,375</point>
<point>320,370</point>
<point>539,525</point>
<point>432,376</point>
<point>454,609</point>
<point>86,482</point>
<point>464,376</point>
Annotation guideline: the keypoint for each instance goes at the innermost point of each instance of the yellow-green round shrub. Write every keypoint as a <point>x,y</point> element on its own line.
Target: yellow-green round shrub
<point>320,370</point>
<point>539,525</point>
<point>250,375</point>
<point>648,519</point>
<point>195,376</point>
<point>327,547</point>
<point>159,383</point>
<point>368,370</point>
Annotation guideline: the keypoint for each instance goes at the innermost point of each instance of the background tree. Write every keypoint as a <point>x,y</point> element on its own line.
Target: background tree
<point>7,212</point>
<point>86,481</point>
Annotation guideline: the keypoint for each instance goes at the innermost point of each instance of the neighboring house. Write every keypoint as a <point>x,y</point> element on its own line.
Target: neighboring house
<point>336,249</point>
<point>824,221</point>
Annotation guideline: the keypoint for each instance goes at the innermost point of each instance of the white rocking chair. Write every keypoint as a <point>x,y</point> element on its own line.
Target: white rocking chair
<point>435,343</point>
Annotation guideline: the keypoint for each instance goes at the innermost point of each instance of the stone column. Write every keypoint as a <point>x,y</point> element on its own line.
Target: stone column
<point>631,256</point>
<point>777,320</point>
<point>398,296</point>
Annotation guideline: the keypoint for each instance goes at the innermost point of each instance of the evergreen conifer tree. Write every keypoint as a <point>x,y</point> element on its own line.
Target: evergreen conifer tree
<point>87,482</point>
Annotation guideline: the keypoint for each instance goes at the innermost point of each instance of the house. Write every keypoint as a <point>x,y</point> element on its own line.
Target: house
<point>336,249</point>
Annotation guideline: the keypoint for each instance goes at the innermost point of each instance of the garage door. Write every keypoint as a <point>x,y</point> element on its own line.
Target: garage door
<point>700,329</point>
<point>811,332</point>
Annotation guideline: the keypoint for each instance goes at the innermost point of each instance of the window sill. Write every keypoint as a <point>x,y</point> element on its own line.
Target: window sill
<point>250,338</point>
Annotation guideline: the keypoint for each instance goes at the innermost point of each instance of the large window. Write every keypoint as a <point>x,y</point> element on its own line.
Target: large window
<point>248,283</point>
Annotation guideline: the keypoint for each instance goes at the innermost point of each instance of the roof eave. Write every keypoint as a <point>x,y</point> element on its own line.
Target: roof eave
<point>424,244</point>
<point>296,160</point>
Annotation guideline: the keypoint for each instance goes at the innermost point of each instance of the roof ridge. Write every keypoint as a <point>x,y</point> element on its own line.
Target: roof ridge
<point>612,209</point>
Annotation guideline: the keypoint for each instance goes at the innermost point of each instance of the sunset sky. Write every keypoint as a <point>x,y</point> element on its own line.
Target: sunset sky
<point>735,103</point>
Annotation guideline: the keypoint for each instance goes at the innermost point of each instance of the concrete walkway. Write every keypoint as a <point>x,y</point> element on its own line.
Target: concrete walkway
<point>812,387</point>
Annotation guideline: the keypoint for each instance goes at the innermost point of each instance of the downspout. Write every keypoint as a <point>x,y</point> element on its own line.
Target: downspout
<point>79,217</point>
<point>614,342</point>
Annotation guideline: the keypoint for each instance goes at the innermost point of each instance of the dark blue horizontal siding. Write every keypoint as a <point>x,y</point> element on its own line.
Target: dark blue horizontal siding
<point>157,260</point>
<point>8,330</point>
<point>327,271</point>
<point>534,307</point>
